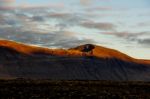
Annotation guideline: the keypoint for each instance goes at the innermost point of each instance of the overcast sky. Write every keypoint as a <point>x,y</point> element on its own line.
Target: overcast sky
<point>120,24</point>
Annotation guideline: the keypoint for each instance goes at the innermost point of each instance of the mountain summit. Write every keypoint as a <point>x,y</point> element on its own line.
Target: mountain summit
<point>85,62</point>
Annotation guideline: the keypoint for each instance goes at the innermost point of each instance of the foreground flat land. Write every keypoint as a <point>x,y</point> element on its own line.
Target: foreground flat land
<point>47,89</point>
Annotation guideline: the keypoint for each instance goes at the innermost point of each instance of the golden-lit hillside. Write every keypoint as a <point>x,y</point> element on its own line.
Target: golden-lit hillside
<point>97,51</point>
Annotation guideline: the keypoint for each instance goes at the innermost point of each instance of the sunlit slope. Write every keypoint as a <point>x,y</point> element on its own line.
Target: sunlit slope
<point>103,52</point>
<point>85,62</point>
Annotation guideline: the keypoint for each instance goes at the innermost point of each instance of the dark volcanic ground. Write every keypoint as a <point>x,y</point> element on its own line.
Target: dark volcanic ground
<point>46,89</point>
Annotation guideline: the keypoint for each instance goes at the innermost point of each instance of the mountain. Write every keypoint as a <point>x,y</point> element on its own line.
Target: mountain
<point>85,62</point>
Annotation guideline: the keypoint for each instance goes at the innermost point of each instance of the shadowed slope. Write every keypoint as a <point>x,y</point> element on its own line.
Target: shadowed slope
<point>83,63</point>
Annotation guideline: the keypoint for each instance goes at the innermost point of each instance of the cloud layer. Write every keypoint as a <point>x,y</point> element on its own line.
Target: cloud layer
<point>36,21</point>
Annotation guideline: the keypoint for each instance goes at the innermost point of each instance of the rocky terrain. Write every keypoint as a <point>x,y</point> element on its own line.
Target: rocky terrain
<point>85,62</point>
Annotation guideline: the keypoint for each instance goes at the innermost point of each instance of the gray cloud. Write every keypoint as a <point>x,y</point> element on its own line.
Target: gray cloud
<point>8,20</point>
<point>60,39</point>
<point>30,28</point>
<point>132,37</point>
<point>66,20</point>
<point>60,15</point>
<point>62,20</point>
<point>99,25</point>
<point>38,18</point>
<point>145,41</point>
<point>125,34</point>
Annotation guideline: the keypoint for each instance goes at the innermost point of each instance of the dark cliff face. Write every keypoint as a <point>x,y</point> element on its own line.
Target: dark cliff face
<point>14,64</point>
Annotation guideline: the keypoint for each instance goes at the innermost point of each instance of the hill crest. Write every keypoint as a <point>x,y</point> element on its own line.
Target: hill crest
<point>79,51</point>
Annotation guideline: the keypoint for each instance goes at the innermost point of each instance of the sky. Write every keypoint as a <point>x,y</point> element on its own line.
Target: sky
<point>123,25</point>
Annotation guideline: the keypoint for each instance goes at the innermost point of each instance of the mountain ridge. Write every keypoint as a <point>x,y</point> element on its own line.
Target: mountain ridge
<point>98,51</point>
<point>85,62</point>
